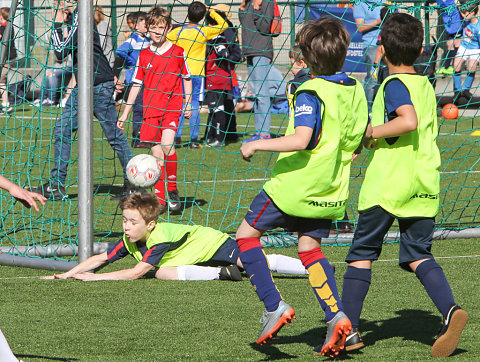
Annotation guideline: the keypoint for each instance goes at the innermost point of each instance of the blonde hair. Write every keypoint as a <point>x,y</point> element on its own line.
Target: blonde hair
<point>98,15</point>
<point>147,205</point>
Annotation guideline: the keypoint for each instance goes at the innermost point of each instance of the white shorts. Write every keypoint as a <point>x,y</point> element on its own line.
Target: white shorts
<point>468,54</point>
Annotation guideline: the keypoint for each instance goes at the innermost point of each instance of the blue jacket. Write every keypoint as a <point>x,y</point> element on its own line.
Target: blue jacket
<point>130,50</point>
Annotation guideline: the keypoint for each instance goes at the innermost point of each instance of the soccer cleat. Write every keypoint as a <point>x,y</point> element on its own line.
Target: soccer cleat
<point>194,144</point>
<point>467,94</point>
<point>447,339</point>
<point>445,71</point>
<point>178,142</point>
<point>214,143</point>
<point>230,272</point>
<point>353,341</point>
<point>337,331</point>
<point>51,190</point>
<point>274,321</point>
<point>174,200</point>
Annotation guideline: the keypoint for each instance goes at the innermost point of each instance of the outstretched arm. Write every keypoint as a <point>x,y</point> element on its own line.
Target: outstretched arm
<point>90,264</point>
<point>294,142</point>
<point>136,272</point>
<point>27,198</point>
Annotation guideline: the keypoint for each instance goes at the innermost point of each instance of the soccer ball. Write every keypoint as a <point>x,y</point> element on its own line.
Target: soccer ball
<point>144,170</point>
<point>450,111</point>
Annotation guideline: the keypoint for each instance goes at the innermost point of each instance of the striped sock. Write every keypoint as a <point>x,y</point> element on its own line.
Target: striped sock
<point>322,280</point>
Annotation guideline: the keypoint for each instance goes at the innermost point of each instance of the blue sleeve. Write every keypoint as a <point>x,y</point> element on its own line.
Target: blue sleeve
<point>116,251</point>
<point>308,113</point>
<point>155,253</point>
<point>359,11</point>
<point>125,51</point>
<point>306,110</point>
<point>396,95</point>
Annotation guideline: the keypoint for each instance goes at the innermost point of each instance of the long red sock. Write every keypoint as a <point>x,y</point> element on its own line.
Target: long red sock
<point>171,170</point>
<point>160,189</point>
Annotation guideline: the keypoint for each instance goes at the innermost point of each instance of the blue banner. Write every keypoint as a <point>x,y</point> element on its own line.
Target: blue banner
<point>353,62</point>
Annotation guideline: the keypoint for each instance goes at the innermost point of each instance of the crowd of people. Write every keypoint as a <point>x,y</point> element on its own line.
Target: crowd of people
<point>331,116</point>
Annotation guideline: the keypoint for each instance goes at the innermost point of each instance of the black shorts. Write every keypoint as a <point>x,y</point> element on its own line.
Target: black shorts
<point>454,36</point>
<point>227,254</point>
<point>264,215</point>
<point>416,236</point>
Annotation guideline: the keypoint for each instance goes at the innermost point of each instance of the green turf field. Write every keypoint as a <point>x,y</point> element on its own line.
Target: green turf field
<point>158,320</point>
<point>148,319</point>
<point>217,185</point>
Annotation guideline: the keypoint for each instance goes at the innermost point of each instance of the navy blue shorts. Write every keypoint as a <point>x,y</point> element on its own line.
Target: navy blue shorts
<point>416,236</point>
<point>227,254</point>
<point>264,215</point>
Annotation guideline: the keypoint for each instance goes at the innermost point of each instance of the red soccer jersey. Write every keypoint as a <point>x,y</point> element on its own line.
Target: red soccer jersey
<point>161,74</point>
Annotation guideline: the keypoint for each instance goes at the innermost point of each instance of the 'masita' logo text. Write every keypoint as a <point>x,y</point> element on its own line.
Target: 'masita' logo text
<point>327,203</point>
<point>424,196</point>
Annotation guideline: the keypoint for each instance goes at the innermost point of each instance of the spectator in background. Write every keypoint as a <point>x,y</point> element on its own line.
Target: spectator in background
<point>468,52</point>
<point>119,62</point>
<point>452,21</point>
<point>10,57</point>
<point>368,24</point>
<point>223,53</point>
<point>105,33</point>
<point>56,84</point>
<point>193,39</point>
<point>129,51</point>
<point>256,18</point>
<point>103,105</point>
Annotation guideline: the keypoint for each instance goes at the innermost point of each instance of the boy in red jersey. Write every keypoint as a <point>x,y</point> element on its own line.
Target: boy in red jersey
<point>161,68</point>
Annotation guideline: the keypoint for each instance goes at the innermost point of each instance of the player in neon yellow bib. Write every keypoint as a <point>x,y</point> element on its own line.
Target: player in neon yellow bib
<point>174,251</point>
<point>402,182</point>
<point>309,184</point>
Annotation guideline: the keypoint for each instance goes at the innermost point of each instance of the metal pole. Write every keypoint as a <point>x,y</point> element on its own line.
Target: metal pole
<point>36,263</point>
<point>85,129</point>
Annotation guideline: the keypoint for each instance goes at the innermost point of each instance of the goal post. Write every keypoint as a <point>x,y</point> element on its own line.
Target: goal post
<point>215,185</point>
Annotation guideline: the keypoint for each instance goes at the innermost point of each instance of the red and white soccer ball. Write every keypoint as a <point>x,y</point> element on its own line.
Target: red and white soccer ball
<point>144,170</point>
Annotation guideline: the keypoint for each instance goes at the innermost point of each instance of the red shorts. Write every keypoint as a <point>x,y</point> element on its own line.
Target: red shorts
<point>152,127</point>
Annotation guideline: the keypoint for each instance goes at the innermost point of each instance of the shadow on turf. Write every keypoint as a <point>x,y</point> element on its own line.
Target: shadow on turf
<point>411,325</point>
<point>46,357</point>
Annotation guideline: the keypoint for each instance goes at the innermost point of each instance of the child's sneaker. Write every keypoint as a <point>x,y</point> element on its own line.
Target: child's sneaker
<point>447,339</point>
<point>337,331</point>
<point>174,200</point>
<point>230,272</point>
<point>353,341</point>
<point>274,321</point>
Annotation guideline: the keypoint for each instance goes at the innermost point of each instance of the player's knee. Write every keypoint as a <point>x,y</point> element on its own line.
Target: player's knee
<point>310,256</point>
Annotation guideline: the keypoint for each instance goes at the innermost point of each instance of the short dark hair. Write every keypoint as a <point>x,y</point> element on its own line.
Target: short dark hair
<point>324,44</point>
<point>196,11</point>
<point>402,38</point>
<point>141,15</point>
<point>468,6</point>
<point>147,205</point>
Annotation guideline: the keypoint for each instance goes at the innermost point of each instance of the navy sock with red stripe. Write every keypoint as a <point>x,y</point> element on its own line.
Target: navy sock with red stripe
<point>322,280</point>
<point>256,265</point>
